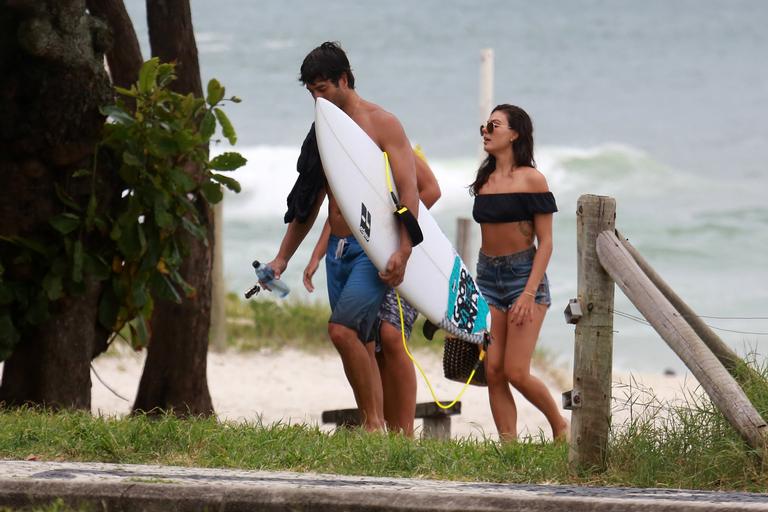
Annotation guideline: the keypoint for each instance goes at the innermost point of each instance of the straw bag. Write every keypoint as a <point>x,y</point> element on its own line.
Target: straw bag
<point>460,358</point>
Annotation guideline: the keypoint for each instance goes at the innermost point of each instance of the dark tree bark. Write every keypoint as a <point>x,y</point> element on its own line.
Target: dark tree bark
<point>52,82</point>
<point>174,377</point>
<point>124,56</point>
<point>173,40</point>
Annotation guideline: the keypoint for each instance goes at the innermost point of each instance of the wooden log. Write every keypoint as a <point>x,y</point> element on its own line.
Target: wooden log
<point>725,393</point>
<point>593,351</point>
<point>437,421</point>
<point>723,352</point>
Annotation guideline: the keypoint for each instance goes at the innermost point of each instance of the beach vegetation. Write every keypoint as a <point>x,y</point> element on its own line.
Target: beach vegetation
<point>680,445</point>
<point>108,204</point>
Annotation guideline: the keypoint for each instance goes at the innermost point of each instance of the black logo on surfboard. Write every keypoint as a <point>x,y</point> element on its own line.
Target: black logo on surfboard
<point>365,222</point>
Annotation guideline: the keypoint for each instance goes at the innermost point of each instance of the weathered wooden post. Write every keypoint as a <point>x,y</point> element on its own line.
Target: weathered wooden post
<point>485,100</point>
<point>463,238</point>
<point>593,352</point>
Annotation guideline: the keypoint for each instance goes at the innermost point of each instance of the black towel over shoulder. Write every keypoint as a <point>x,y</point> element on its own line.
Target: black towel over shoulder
<point>309,183</point>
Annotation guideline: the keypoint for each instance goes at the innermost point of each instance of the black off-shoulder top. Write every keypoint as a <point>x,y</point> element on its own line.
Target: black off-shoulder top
<point>512,207</point>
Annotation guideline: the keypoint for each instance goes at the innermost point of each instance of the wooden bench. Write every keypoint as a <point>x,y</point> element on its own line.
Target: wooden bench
<point>437,421</point>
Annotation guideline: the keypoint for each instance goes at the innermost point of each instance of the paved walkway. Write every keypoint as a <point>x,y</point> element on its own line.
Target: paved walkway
<point>126,487</point>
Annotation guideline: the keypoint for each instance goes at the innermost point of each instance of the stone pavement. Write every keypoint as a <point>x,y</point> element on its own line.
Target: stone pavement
<point>127,487</point>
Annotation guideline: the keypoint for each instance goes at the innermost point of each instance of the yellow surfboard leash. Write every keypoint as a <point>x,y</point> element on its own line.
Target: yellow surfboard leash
<point>387,171</point>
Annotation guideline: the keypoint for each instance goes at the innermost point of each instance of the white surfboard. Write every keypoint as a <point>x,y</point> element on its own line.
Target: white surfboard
<point>436,282</point>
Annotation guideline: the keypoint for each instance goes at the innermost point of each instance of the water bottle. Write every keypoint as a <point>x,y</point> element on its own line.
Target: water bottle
<point>267,276</point>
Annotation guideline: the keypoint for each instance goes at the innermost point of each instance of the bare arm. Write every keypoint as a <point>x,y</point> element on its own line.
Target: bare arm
<point>317,255</point>
<point>429,189</point>
<point>393,140</point>
<point>293,237</point>
<point>542,227</point>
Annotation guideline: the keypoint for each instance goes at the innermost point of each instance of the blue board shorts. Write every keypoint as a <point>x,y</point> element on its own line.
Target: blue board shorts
<point>355,290</point>
<point>502,279</point>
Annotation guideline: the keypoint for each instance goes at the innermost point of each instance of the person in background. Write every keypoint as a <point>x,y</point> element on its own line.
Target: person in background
<point>514,208</point>
<point>355,287</point>
<point>395,368</point>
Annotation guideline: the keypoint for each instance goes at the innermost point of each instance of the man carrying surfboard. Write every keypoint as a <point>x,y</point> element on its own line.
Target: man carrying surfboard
<point>398,376</point>
<point>355,287</point>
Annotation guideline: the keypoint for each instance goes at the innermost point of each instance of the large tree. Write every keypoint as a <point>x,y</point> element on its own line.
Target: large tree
<point>174,377</point>
<point>52,83</point>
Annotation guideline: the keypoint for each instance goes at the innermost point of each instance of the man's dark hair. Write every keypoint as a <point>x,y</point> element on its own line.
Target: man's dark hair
<point>326,62</point>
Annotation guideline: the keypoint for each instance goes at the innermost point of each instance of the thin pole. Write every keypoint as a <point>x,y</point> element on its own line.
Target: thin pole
<point>485,103</point>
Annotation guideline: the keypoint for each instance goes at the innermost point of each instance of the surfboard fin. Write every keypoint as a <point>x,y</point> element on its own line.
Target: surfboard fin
<point>429,329</point>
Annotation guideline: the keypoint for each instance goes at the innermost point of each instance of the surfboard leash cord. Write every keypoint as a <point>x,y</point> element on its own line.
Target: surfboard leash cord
<point>421,370</point>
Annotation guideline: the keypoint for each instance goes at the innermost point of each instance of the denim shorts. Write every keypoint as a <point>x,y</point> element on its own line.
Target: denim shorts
<point>390,313</point>
<point>354,288</point>
<point>502,279</point>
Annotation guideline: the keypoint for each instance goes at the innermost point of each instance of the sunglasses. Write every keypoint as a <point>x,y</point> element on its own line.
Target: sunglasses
<point>488,127</point>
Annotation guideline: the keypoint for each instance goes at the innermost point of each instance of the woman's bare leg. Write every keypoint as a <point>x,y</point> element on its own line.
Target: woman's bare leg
<point>521,342</point>
<point>500,397</point>
<point>398,378</point>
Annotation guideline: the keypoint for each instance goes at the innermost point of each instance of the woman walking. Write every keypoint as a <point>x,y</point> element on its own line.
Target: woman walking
<point>514,208</point>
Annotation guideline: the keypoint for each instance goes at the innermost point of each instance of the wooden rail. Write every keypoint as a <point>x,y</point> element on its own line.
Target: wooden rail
<point>680,336</point>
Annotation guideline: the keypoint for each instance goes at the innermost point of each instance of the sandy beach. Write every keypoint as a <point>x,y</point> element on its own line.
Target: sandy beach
<point>292,386</point>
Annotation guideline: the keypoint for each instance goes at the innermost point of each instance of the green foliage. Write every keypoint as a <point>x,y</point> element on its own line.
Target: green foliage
<point>134,242</point>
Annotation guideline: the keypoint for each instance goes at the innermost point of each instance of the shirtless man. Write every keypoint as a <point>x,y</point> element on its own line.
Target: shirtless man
<point>398,376</point>
<point>355,288</point>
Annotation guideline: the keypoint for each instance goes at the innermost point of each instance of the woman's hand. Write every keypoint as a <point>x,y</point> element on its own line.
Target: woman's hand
<point>309,271</point>
<point>522,309</point>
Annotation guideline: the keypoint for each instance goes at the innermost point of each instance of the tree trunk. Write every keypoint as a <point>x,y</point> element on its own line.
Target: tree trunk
<point>52,83</point>
<point>124,57</point>
<point>174,377</point>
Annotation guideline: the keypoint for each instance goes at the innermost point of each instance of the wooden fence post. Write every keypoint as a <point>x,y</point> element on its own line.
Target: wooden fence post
<point>593,351</point>
<point>485,100</point>
<point>680,336</point>
<point>463,238</point>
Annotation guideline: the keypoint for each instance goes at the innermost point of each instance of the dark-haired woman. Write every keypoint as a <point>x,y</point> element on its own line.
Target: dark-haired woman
<point>514,207</point>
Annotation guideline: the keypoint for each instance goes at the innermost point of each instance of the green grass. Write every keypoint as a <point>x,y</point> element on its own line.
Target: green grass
<point>74,436</point>
<point>683,445</point>
<point>261,324</point>
<point>688,445</point>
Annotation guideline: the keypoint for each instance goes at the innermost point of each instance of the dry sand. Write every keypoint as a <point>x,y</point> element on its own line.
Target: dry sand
<point>292,386</point>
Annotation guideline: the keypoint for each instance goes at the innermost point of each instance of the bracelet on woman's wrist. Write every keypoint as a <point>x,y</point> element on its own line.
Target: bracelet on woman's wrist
<point>529,293</point>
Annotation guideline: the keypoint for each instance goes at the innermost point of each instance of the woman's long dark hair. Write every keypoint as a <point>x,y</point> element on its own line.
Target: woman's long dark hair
<point>522,147</point>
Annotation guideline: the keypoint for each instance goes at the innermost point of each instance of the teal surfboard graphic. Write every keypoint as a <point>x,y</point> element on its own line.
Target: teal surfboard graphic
<point>467,309</point>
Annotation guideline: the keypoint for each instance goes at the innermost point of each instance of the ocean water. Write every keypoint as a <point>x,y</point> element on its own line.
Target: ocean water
<point>661,105</point>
